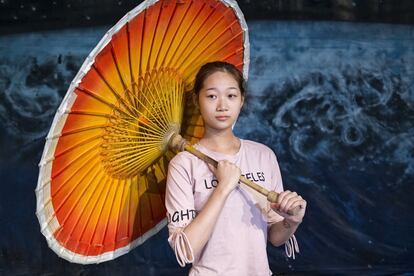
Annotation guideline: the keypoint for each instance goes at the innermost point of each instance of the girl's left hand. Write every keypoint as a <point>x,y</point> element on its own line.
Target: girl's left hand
<point>288,200</point>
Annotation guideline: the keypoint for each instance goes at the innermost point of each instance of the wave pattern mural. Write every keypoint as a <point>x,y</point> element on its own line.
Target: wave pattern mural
<point>334,100</point>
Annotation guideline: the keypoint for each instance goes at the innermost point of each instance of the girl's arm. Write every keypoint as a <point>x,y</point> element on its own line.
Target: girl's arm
<point>281,231</point>
<point>200,228</point>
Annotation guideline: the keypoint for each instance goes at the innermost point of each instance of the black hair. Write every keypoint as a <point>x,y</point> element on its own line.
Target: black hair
<point>218,66</point>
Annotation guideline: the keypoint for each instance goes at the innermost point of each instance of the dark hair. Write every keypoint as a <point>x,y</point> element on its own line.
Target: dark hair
<point>218,66</point>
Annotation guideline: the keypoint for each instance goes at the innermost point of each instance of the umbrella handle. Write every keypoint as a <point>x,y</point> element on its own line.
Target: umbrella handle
<point>180,144</point>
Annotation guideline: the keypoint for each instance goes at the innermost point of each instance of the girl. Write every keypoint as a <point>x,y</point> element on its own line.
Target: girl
<point>214,223</point>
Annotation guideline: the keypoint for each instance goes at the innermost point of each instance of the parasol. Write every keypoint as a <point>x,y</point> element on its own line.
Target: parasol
<point>101,183</point>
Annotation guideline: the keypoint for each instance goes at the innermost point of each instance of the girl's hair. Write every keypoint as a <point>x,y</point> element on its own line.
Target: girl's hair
<point>218,66</point>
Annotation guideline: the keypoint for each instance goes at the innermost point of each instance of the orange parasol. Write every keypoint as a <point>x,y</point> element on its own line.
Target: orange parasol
<point>101,184</point>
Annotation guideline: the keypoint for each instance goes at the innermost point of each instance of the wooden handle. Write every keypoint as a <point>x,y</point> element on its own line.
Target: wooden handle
<point>178,143</point>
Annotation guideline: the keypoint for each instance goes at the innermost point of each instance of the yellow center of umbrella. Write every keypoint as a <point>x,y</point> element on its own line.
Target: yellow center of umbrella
<point>139,129</point>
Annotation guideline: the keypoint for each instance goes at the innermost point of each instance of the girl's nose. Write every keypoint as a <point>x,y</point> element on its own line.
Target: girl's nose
<point>222,105</point>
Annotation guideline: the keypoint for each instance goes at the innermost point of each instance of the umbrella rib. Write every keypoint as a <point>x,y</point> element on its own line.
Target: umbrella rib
<point>95,189</point>
<point>149,199</point>
<point>117,223</point>
<point>170,86</point>
<point>162,98</point>
<point>134,137</point>
<point>73,174</point>
<point>178,100</point>
<point>147,127</point>
<point>157,186</point>
<point>107,186</point>
<point>124,159</point>
<point>133,156</point>
<point>110,211</point>
<point>85,187</point>
<point>150,41</point>
<point>119,98</point>
<point>190,40</point>
<point>126,90</point>
<point>160,123</point>
<point>80,143</point>
<point>140,69</point>
<point>165,33</point>
<point>102,100</point>
<point>175,34</point>
<point>103,179</point>
<point>153,37</point>
<point>73,188</point>
<point>82,129</point>
<point>131,74</point>
<point>173,55</point>
<point>87,151</point>
<point>128,202</point>
<point>212,26</point>
<point>115,60</point>
<point>176,106</point>
<point>89,113</point>
<point>166,106</point>
<point>153,142</point>
<point>60,205</point>
<point>213,53</point>
<point>144,106</point>
<point>134,164</point>
<point>131,149</point>
<point>135,131</point>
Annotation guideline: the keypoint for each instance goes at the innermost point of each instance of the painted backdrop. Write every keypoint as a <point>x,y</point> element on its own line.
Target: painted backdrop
<point>335,101</point>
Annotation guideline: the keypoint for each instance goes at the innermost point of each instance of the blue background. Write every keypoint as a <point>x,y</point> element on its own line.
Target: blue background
<point>334,100</point>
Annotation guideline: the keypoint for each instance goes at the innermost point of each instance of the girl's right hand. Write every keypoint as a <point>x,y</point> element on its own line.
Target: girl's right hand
<point>227,174</point>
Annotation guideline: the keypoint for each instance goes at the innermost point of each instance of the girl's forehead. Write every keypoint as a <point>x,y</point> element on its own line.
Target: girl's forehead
<point>220,76</point>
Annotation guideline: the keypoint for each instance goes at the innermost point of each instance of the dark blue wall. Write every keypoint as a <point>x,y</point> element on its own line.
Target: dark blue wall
<point>334,100</point>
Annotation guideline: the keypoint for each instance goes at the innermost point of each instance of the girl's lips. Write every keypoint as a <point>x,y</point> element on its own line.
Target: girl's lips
<point>222,118</point>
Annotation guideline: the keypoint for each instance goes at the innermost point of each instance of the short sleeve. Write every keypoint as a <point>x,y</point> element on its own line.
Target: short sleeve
<point>276,185</point>
<point>179,202</point>
<point>179,198</point>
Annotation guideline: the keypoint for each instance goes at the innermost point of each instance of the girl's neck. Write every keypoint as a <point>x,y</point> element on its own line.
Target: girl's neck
<point>222,142</point>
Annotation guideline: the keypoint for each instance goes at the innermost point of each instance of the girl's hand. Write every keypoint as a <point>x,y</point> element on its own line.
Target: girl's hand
<point>227,175</point>
<point>288,200</point>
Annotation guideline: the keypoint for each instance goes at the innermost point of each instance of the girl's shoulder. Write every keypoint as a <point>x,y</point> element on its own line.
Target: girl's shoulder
<point>257,147</point>
<point>184,158</point>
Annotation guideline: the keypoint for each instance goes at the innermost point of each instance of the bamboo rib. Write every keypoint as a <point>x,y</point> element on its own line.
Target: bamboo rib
<point>89,200</point>
<point>128,147</point>
<point>64,205</point>
<point>211,26</point>
<point>69,178</point>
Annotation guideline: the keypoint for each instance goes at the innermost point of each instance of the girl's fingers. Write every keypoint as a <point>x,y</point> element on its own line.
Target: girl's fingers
<point>292,203</point>
<point>284,199</point>
<point>212,168</point>
<point>288,201</point>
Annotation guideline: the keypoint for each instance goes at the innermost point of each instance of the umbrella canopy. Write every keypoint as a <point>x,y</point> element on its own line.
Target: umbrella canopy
<point>101,183</point>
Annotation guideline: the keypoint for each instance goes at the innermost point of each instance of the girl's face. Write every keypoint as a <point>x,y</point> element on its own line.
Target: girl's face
<point>220,101</point>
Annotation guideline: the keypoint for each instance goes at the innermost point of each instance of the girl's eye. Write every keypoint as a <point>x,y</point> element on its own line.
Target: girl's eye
<point>211,96</point>
<point>232,96</point>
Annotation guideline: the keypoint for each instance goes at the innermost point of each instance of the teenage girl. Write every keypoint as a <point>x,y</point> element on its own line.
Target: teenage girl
<point>215,223</point>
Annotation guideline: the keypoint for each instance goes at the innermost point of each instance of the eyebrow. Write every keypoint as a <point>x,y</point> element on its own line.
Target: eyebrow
<point>229,88</point>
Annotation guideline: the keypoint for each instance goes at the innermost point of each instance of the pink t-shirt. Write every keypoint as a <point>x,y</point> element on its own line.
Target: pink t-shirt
<point>237,245</point>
